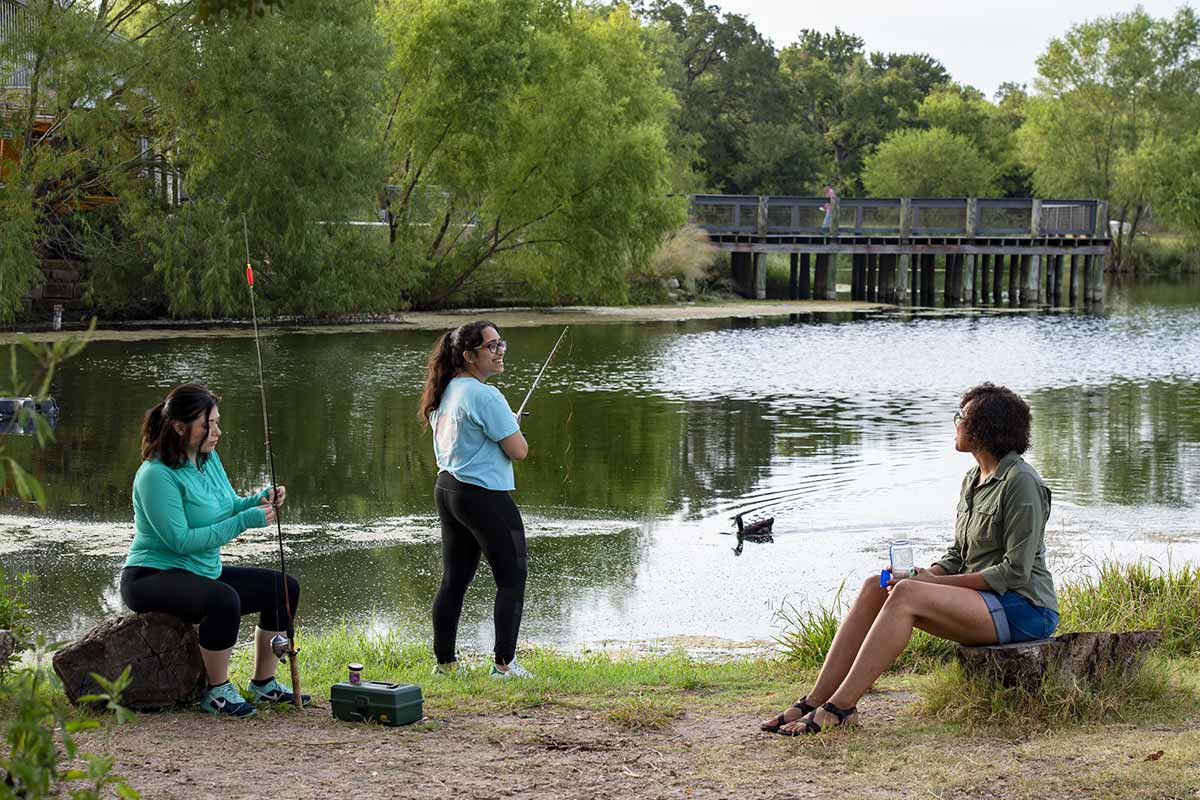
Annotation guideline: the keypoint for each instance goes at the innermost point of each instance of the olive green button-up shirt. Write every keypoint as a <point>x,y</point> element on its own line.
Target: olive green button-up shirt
<point>1001,531</point>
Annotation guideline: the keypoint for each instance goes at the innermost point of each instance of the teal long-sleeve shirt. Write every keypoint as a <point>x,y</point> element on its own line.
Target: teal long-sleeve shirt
<point>182,516</point>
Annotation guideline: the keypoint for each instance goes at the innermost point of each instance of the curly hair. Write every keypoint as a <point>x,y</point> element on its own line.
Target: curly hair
<point>999,419</point>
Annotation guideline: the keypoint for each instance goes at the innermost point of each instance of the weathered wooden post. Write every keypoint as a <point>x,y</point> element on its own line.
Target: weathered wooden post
<point>928,269</point>
<point>872,277</point>
<point>1073,281</point>
<point>805,280</point>
<point>1032,293</point>
<point>984,284</point>
<point>1015,263</point>
<point>794,276</point>
<point>905,267</point>
<point>858,270</point>
<point>742,267</point>
<point>1093,286</point>
<point>760,259</point>
<point>969,262</point>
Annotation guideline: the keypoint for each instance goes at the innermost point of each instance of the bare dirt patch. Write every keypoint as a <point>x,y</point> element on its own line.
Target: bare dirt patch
<point>554,752</point>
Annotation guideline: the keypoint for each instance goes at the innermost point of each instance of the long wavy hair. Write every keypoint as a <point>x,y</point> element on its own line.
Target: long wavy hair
<point>184,404</point>
<point>445,360</point>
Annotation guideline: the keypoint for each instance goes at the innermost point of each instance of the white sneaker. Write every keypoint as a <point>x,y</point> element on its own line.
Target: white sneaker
<point>514,670</point>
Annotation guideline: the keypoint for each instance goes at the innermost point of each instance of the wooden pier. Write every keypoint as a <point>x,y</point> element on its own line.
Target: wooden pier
<point>990,251</point>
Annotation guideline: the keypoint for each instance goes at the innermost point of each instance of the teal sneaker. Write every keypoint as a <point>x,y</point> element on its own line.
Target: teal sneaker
<point>274,692</point>
<point>514,670</point>
<point>225,699</point>
<point>451,670</point>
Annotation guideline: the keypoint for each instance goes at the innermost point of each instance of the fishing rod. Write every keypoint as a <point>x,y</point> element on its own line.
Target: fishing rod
<point>281,646</point>
<point>541,372</point>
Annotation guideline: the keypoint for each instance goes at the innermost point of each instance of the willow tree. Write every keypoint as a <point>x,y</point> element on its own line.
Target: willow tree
<point>254,129</point>
<point>525,132</point>
<point>928,163</point>
<point>72,109</point>
<point>1107,91</point>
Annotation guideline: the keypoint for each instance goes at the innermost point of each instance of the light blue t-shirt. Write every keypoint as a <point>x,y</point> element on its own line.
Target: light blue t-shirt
<point>467,428</point>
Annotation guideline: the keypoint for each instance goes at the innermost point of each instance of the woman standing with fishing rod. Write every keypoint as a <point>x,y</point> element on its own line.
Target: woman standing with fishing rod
<point>184,510</point>
<point>476,437</point>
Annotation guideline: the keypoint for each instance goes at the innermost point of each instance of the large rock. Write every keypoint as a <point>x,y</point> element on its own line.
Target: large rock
<point>1086,657</point>
<point>7,646</point>
<point>162,650</point>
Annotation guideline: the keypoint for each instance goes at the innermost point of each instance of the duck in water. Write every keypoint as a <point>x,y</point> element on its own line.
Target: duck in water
<point>754,532</point>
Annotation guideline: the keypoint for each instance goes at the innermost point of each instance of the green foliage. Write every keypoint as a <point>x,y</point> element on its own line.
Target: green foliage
<point>18,230</point>
<point>529,135</point>
<point>1139,596</point>
<point>1110,93</point>
<point>294,149</point>
<point>992,128</point>
<point>928,163</point>
<point>35,767</point>
<point>849,102</point>
<point>14,614</point>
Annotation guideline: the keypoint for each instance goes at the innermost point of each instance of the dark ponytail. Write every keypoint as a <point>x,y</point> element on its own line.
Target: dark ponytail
<point>446,360</point>
<point>184,404</point>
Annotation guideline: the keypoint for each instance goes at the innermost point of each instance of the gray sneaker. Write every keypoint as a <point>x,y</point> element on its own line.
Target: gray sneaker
<point>514,670</point>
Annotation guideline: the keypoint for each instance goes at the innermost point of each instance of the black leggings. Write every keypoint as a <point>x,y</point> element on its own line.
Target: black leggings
<point>478,521</point>
<point>217,605</point>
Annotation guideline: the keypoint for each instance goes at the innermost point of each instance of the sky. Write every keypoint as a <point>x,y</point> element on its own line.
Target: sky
<point>982,42</point>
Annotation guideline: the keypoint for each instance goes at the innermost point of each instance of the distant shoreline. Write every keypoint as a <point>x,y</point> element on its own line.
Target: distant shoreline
<point>438,320</point>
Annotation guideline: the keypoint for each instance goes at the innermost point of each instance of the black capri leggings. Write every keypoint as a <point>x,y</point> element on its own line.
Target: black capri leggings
<point>478,521</point>
<point>217,605</point>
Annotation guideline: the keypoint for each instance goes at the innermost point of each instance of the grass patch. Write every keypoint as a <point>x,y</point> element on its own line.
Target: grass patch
<point>645,712</point>
<point>583,680</point>
<point>1160,690</point>
<point>1141,596</point>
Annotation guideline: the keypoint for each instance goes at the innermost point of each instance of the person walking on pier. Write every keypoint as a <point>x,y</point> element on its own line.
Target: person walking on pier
<point>991,587</point>
<point>827,207</point>
<point>476,437</point>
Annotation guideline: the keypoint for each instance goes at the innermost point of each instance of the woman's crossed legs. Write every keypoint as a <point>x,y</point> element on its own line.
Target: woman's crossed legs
<point>876,630</point>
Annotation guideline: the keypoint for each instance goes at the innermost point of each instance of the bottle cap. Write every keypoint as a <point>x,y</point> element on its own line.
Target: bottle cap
<point>884,577</point>
<point>356,667</point>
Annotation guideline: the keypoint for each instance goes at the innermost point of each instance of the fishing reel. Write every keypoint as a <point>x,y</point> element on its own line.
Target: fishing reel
<point>280,646</point>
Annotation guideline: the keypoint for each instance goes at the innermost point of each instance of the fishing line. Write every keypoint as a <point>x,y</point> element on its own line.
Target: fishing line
<point>279,648</point>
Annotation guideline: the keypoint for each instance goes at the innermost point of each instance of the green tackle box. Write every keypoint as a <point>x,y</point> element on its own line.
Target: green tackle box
<point>377,701</point>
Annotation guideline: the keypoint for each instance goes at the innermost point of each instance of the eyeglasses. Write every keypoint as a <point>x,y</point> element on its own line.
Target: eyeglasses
<point>494,347</point>
<point>958,417</point>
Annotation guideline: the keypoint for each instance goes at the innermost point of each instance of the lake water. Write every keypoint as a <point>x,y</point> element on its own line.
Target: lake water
<point>644,440</point>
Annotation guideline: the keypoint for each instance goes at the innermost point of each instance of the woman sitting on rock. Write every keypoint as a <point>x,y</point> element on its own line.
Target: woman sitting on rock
<point>184,509</point>
<point>991,587</point>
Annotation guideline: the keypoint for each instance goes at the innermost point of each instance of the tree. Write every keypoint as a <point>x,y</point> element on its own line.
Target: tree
<point>295,150</point>
<point>73,111</point>
<point>849,103</point>
<point>530,133</point>
<point>1107,90</point>
<point>928,163</point>
<point>964,111</point>
<point>724,74</point>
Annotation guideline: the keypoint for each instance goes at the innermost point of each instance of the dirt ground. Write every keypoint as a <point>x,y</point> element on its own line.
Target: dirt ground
<point>554,752</point>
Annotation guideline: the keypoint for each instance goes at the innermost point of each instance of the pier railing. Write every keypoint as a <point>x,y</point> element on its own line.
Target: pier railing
<point>916,216</point>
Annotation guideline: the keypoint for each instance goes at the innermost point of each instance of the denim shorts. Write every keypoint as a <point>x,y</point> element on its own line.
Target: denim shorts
<point>1018,620</point>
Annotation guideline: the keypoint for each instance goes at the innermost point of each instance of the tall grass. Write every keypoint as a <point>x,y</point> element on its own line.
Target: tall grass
<point>1119,597</point>
<point>1157,691</point>
<point>1139,596</point>
<point>685,253</point>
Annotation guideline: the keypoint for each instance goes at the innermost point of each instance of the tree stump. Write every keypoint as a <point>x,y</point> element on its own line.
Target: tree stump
<point>161,649</point>
<point>8,646</point>
<point>1085,657</point>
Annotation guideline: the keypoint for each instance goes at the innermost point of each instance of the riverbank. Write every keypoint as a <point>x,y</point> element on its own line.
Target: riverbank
<point>647,727</point>
<point>440,320</point>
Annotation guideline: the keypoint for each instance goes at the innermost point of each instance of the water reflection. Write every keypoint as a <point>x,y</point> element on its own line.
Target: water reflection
<point>645,439</point>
